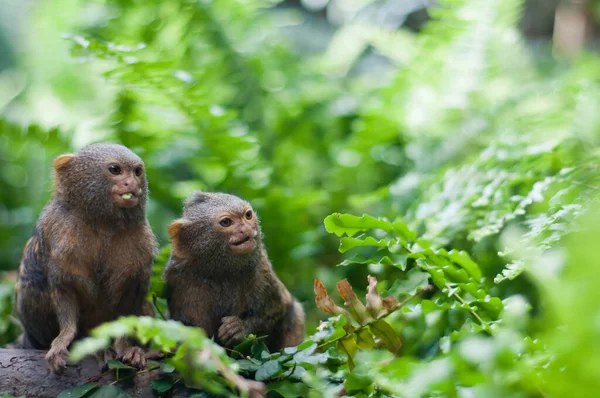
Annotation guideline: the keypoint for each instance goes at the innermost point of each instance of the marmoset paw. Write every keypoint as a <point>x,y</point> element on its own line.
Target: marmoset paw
<point>57,358</point>
<point>231,331</point>
<point>134,356</point>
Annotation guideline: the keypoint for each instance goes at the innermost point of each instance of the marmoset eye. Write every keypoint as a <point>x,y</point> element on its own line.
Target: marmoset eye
<point>114,169</point>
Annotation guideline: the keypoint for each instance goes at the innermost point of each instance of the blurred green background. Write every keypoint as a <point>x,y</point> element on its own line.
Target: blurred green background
<point>466,118</point>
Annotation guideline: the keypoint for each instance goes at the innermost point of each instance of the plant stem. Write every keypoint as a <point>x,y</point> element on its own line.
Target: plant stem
<point>135,374</point>
<point>483,323</point>
<point>245,386</point>
<point>236,352</point>
<point>97,378</point>
<point>154,299</point>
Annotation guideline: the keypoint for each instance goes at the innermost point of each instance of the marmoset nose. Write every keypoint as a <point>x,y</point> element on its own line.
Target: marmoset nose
<point>244,230</point>
<point>130,183</point>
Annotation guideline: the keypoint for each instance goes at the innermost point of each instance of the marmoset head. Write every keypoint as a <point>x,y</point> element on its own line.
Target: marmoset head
<point>106,182</point>
<point>216,226</point>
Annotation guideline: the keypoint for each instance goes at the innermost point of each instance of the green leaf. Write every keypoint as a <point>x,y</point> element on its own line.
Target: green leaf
<point>492,305</point>
<point>437,275</point>
<point>355,382</point>
<point>258,348</point>
<point>310,360</point>
<point>87,346</point>
<point>364,339</point>
<point>297,372</point>
<point>377,258</point>
<point>510,272</point>
<point>78,391</point>
<point>416,280</point>
<point>309,344</point>
<point>350,243</point>
<point>167,367</point>
<point>289,390</point>
<point>454,274</point>
<point>268,370</point>
<point>474,289</point>
<point>430,306</point>
<point>416,255</point>
<point>162,385</point>
<point>401,229</point>
<point>112,364</point>
<point>464,260</point>
<point>386,333</point>
<point>348,224</point>
<point>121,327</point>
<point>348,346</point>
<point>109,392</point>
<point>248,366</point>
<point>245,347</point>
<point>301,356</point>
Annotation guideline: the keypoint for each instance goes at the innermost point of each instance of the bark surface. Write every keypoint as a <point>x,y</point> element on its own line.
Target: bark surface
<point>26,373</point>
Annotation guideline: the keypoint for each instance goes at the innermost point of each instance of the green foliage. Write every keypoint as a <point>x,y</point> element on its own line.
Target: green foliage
<point>572,340</point>
<point>78,391</point>
<point>471,154</point>
<point>195,356</point>
<point>26,156</point>
<point>8,326</point>
<point>454,273</point>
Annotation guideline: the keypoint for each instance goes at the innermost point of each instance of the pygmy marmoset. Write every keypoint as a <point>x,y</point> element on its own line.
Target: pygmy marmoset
<point>220,278</point>
<point>90,258</point>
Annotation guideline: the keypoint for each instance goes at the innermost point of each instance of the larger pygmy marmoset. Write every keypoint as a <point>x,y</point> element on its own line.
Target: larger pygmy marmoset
<point>90,258</point>
<point>220,278</point>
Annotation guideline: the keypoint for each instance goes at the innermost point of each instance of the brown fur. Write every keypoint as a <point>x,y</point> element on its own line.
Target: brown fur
<point>89,260</point>
<point>228,294</point>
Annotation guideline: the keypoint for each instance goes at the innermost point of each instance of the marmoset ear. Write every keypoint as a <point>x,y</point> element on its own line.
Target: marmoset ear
<point>175,228</point>
<point>63,160</point>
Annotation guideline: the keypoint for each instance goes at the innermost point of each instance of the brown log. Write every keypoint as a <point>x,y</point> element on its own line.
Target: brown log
<point>26,373</point>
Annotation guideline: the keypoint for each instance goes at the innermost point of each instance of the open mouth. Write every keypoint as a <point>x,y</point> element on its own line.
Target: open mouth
<point>125,199</point>
<point>241,242</point>
<point>243,246</point>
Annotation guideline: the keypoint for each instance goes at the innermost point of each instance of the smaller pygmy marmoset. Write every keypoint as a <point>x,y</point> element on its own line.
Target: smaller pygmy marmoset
<point>220,278</point>
<point>90,258</point>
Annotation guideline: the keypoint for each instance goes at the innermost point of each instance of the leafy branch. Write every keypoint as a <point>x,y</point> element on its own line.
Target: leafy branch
<point>371,320</point>
<point>199,361</point>
<point>451,271</point>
